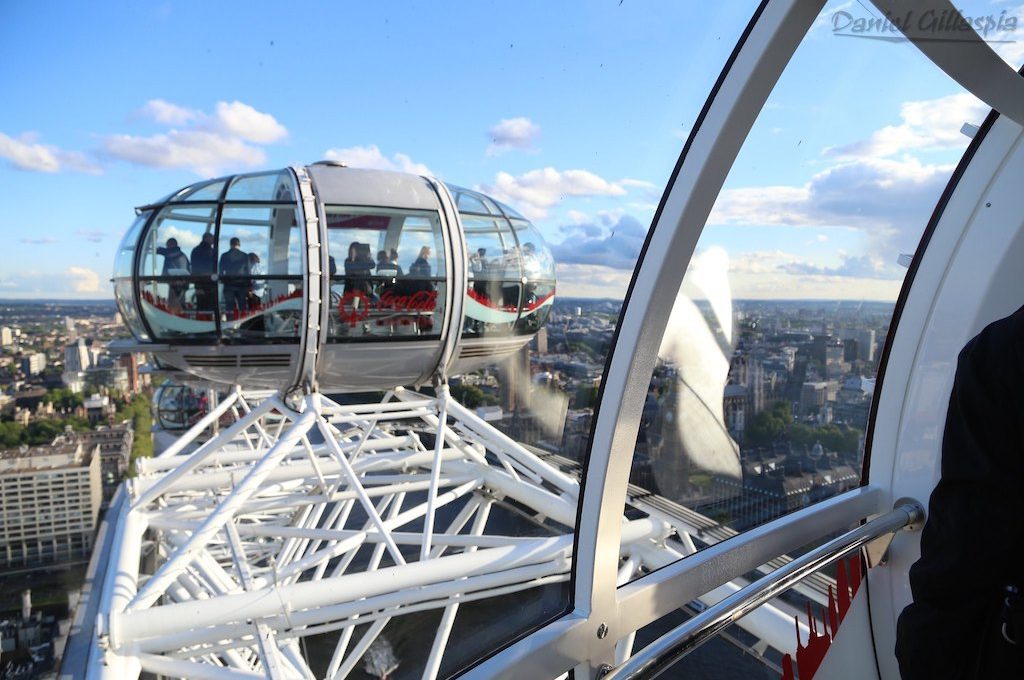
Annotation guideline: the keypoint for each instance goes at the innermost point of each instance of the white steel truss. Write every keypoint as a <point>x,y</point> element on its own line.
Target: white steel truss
<point>323,520</point>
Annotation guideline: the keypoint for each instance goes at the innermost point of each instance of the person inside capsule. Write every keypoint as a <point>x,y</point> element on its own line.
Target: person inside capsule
<point>967,617</point>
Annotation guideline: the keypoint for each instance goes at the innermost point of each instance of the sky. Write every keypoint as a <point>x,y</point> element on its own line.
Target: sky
<point>573,113</point>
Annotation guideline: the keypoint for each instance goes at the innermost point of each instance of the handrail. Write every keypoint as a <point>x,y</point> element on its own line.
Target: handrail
<point>658,656</point>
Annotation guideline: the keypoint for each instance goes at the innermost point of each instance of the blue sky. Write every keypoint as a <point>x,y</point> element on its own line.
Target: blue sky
<point>573,113</point>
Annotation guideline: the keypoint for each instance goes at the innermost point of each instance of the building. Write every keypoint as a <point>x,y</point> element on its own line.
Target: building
<point>98,409</point>
<point>49,501</point>
<point>33,364</point>
<point>734,407</point>
<point>115,448</point>
<point>6,337</point>
<point>814,395</point>
<point>76,357</point>
<point>866,344</point>
<point>131,366</point>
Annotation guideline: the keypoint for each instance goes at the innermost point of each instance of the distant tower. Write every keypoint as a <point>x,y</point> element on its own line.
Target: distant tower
<point>76,357</point>
<point>866,344</point>
<point>132,367</point>
<point>755,386</point>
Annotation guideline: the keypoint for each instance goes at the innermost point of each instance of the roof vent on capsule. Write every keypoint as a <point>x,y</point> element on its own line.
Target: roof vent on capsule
<point>333,164</point>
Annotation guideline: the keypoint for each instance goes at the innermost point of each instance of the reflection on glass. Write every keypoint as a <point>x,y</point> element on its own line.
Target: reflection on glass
<point>208,191</point>
<point>173,311</point>
<point>268,186</point>
<point>175,269</point>
<point>259,270</point>
<point>793,631</point>
<point>759,400</point>
<point>123,287</point>
<point>387,272</point>
<point>495,276</point>
<point>178,407</point>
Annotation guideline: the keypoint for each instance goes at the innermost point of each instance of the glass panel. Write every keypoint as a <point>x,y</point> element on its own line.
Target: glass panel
<point>178,238</point>
<point>387,273</point>
<point>177,259</point>
<point>178,406</point>
<point>123,288</point>
<point>124,260</point>
<point>510,212</point>
<point>495,277</point>
<point>758,403</point>
<point>271,186</point>
<point>757,645</point>
<point>538,278</point>
<point>204,192</point>
<point>471,204</point>
<point>258,244</point>
<point>126,303</point>
<point>177,308</point>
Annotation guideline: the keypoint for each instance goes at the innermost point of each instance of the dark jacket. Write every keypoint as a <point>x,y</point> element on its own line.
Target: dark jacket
<point>972,544</point>
<point>173,259</point>
<point>357,275</point>
<point>234,263</point>
<point>203,261</point>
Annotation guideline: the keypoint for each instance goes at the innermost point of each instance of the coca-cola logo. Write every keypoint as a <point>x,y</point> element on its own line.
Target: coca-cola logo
<point>421,301</point>
<point>355,306</point>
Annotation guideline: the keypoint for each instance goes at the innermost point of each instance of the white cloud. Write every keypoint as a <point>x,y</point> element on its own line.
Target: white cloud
<point>73,282</point>
<point>242,120</point>
<point>25,153</point>
<point>371,157</point>
<point>537,190</point>
<point>875,194</point>
<point>1009,44</point>
<point>610,239</point>
<point>44,241</point>
<point>207,144</point>
<point>927,125</point>
<point>512,133</point>
<point>888,200</point>
<point>165,112</point>
<point>84,280</point>
<point>594,281</point>
<point>639,183</point>
<point>204,152</point>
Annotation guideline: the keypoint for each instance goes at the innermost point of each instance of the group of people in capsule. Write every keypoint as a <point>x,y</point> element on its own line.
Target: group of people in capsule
<point>236,269</point>
<point>241,272</point>
<point>360,267</point>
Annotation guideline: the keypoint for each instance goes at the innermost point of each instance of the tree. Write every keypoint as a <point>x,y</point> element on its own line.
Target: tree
<point>770,424</point>
<point>586,396</point>
<point>10,434</point>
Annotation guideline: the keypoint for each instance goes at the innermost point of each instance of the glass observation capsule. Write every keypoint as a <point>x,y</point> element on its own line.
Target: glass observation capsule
<point>340,278</point>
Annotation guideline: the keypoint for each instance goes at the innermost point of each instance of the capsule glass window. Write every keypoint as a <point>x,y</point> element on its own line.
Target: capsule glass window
<point>123,288</point>
<point>259,272</point>
<point>175,267</point>
<point>495,276</point>
<point>538,277</point>
<point>387,274</point>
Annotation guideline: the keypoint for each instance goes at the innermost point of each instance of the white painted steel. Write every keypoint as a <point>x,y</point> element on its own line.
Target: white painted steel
<point>253,551</point>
